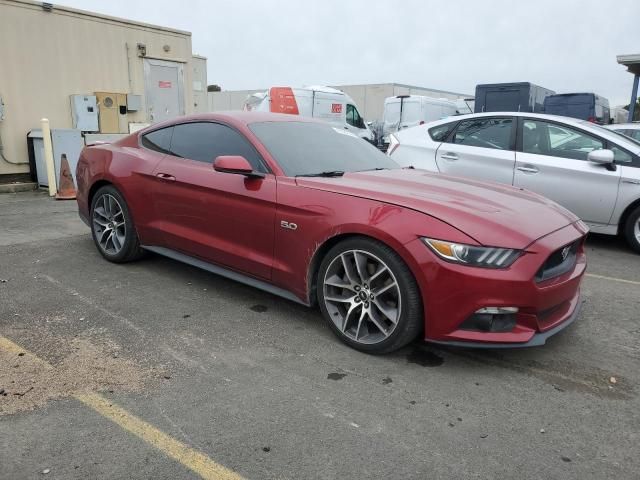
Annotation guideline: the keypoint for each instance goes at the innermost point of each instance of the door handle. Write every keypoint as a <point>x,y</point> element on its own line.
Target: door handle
<point>528,169</point>
<point>449,156</point>
<point>166,177</point>
<point>632,182</point>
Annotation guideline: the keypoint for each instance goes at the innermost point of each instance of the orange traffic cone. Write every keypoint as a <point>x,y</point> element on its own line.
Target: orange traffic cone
<point>66,188</point>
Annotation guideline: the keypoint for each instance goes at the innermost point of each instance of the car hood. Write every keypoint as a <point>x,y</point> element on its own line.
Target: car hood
<point>490,213</point>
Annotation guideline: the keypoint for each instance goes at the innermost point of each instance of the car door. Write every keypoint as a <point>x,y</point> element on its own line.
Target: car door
<point>629,191</point>
<point>552,160</point>
<point>224,218</point>
<point>139,187</point>
<point>481,148</point>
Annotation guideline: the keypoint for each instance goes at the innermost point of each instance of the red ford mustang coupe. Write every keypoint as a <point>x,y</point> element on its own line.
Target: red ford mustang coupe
<point>314,214</point>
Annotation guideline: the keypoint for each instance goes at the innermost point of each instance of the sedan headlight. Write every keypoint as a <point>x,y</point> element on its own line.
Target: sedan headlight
<point>487,257</point>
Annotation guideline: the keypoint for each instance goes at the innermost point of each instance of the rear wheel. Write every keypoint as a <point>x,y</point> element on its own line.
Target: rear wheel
<point>112,227</point>
<point>632,230</point>
<point>368,296</point>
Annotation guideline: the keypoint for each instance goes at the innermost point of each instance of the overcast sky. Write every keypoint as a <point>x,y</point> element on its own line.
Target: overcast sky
<point>564,45</point>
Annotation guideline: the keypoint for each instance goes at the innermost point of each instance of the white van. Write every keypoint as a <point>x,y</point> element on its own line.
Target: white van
<point>404,111</point>
<point>326,103</point>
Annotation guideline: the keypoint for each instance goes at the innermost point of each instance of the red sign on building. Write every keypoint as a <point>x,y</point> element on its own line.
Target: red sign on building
<point>164,84</point>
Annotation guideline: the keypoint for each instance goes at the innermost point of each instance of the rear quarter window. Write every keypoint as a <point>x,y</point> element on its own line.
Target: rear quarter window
<point>441,132</point>
<point>158,140</point>
<point>485,133</point>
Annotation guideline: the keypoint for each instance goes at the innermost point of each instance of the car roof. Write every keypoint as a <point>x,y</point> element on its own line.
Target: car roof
<point>542,116</point>
<point>231,116</point>
<point>569,121</point>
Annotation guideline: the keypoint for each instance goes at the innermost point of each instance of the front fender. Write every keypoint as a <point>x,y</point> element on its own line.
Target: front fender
<point>323,218</point>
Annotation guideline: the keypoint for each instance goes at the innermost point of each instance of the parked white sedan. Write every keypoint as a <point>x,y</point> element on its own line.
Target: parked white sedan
<point>592,171</point>
<point>629,129</point>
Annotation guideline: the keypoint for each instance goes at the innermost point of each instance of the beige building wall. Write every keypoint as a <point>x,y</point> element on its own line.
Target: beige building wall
<point>369,98</point>
<point>47,56</point>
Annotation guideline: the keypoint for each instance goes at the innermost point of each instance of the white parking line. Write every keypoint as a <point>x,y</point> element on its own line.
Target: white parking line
<point>612,279</point>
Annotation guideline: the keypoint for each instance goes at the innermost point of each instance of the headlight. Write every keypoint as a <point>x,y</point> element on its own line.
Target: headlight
<point>487,257</point>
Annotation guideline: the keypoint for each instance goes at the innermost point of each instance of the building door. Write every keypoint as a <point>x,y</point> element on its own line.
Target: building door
<point>164,88</point>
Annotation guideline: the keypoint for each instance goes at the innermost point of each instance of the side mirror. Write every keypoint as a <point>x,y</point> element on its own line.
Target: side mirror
<point>603,157</point>
<point>235,164</point>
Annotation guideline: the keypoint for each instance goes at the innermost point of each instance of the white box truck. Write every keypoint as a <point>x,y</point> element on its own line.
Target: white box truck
<point>404,111</point>
<point>325,103</point>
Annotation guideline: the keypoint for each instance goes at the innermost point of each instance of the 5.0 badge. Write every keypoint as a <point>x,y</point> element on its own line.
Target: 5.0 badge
<point>288,225</point>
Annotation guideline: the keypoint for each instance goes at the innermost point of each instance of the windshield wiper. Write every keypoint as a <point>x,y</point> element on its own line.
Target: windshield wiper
<point>329,173</point>
<point>373,169</point>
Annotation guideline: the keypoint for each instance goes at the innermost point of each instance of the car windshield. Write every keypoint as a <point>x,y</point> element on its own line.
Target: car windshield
<point>309,148</point>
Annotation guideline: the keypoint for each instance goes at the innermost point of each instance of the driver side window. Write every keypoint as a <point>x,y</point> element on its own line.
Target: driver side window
<point>353,117</point>
<point>204,141</point>
<point>544,138</point>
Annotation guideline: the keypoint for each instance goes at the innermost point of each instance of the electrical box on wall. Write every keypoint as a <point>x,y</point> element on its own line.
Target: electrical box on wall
<point>134,102</point>
<point>84,113</point>
<point>112,112</point>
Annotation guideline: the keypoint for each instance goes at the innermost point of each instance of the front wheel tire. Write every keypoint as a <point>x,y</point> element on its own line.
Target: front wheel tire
<point>369,296</point>
<point>632,230</point>
<point>112,226</point>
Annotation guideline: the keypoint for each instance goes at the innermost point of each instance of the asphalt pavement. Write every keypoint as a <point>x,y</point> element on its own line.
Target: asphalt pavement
<point>155,369</point>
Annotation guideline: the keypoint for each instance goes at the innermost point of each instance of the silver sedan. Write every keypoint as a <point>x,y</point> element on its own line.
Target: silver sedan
<point>588,169</point>
<point>629,129</point>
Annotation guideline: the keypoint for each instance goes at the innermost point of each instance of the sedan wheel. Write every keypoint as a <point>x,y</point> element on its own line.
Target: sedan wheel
<point>369,296</point>
<point>112,227</point>
<point>632,230</point>
<point>362,296</point>
<point>109,225</point>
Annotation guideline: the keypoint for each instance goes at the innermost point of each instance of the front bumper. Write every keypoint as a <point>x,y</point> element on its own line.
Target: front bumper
<point>452,293</point>
<point>537,340</point>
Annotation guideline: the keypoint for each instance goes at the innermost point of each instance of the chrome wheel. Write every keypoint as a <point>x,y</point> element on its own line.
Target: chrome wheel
<point>636,230</point>
<point>109,224</point>
<point>362,296</point>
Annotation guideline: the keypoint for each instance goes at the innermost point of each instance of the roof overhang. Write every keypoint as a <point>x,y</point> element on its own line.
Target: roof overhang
<point>632,62</point>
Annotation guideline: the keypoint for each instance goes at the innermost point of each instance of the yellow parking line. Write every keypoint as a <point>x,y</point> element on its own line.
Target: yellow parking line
<point>10,347</point>
<point>192,459</point>
<point>613,279</point>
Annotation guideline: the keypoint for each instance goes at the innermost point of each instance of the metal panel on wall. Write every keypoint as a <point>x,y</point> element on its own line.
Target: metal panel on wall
<point>70,143</point>
<point>84,112</point>
<point>64,141</point>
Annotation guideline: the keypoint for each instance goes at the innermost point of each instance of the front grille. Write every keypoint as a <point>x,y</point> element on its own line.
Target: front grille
<point>560,262</point>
